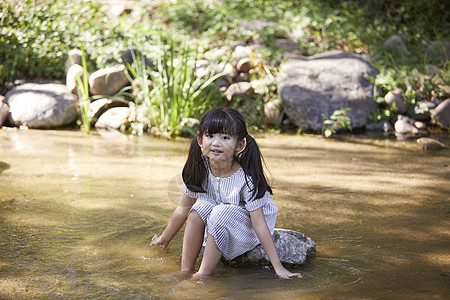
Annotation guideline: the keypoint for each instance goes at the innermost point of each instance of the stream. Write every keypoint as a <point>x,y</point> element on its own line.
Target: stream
<point>77,214</point>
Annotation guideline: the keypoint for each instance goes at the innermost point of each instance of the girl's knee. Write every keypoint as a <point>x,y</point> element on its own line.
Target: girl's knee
<point>195,218</point>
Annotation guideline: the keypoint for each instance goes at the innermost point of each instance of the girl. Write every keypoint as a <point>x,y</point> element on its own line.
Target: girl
<point>224,171</point>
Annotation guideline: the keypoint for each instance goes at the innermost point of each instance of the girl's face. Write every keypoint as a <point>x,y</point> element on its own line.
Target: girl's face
<point>220,147</point>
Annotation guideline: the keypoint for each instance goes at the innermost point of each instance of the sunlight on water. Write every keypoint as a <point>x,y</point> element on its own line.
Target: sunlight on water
<point>77,214</point>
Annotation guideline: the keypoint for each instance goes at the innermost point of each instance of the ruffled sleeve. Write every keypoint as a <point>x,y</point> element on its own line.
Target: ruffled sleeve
<point>251,203</point>
<point>188,192</point>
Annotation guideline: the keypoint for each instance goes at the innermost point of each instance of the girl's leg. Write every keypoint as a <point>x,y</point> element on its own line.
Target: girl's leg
<point>192,241</point>
<point>211,257</point>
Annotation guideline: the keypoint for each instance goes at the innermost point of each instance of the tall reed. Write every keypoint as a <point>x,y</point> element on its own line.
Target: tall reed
<point>83,93</point>
<point>177,92</point>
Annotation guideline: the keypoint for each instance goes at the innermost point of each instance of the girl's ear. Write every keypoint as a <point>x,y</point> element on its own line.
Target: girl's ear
<point>199,142</point>
<point>240,146</point>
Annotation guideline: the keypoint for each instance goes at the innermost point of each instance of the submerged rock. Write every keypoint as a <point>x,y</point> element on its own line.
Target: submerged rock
<point>293,247</point>
<point>430,144</point>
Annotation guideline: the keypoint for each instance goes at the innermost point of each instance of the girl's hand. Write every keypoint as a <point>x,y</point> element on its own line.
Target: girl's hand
<point>158,241</point>
<point>285,274</point>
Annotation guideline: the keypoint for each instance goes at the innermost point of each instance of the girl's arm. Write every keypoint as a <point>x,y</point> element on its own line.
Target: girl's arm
<point>177,220</point>
<point>262,231</point>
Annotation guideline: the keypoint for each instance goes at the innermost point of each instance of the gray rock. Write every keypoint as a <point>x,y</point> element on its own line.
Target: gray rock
<point>41,105</point>
<point>256,25</point>
<point>383,126</point>
<point>76,57</point>
<point>441,49</point>
<point>272,111</point>
<point>442,113</point>
<point>430,144</point>
<point>71,78</point>
<point>100,106</point>
<point>292,247</point>
<point>318,85</point>
<point>405,125</point>
<point>108,81</point>
<point>422,111</point>
<point>4,110</point>
<point>113,118</point>
<point>395,97</point>
<point>239,89</point>
<point>396,44</point>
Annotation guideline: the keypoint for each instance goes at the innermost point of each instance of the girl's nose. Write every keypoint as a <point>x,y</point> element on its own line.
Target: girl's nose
<point>216,141</point>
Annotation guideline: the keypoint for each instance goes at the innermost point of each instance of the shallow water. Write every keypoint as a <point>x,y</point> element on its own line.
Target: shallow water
<point>77,214</point>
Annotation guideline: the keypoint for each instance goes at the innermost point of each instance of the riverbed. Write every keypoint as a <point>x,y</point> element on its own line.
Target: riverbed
<point>77,213</point>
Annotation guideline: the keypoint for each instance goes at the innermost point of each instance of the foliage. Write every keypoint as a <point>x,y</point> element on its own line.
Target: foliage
<point>83,93</point>
<point>34,35</point>
<point>176,93</point>
<point>338,120</point>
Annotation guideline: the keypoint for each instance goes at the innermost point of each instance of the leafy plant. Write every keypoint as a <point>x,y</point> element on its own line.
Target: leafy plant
<point>177,92</point>
<point>338,120</point>
<point>83,93</point>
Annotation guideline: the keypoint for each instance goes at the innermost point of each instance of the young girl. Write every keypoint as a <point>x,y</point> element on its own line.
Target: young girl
<point>225,173</point>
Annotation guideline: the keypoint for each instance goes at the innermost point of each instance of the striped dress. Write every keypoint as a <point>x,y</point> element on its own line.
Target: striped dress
<point>224,209</point>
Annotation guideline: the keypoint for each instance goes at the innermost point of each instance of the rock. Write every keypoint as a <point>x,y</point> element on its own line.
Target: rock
<point>244,65</point>
<point>396,44</point>
<point>383,126</point>
<point>272,111</point>
<point>319,85</point>
<point>242,51</point>
<point>442,113</point>
<point>441,49</point>
<point>286,45</point>
<point>76,57</point>
<point>420,125</point>
<point>256,25</point>
<point>422,111</point>
<point>100,106</point>
<point>292,247</point>
<point>430,144</point>
<point>395,97</point>
<point>71,78</point>
<point>404,125</point>
<point>228,70</point>
<point>189,127</point>
<point>238,89</point>
<point>432,70</point>
<point>108,81</point>
<point>113,118</point>
<point>4,110</point>
<point>130,55</point>
<point>41,105</point>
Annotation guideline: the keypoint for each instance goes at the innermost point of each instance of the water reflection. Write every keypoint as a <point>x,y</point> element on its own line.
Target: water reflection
<point>77,213</point>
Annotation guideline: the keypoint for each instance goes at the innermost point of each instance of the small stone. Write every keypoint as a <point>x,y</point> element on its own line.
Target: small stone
<point>430,144</point>
<point>108,81</point>
<point>395,97</point>
<point>244,65</point>
<point>404,126</point>
<point>4,110</point>
<point>76,55</point>
<point>113,118</point>
<point>238,89</point>
<point>71,78</point>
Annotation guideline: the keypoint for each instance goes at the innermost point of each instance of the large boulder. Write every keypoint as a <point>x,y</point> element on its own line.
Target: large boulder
<point>318,85</point>
<point>292,247</point>
<point>442,113</point>
<point>4,110</point>
<point>108,81</point>
<point>41,105</point>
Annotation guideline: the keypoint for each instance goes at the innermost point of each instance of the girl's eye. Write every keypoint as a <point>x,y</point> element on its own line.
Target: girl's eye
<point>225,137</point>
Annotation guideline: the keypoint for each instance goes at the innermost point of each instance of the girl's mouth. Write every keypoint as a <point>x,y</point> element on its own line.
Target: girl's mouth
<point>216,151</point>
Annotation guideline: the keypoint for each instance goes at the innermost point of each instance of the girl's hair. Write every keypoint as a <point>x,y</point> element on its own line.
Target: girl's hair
<point>225,121</point>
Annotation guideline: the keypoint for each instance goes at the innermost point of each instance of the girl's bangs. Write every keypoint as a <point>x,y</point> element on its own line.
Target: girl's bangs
<point>220,123</point>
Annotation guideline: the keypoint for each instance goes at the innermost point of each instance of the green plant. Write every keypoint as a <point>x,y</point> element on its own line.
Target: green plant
<point>177,92</point>
<point>338,120</point>
<point>83,93</point>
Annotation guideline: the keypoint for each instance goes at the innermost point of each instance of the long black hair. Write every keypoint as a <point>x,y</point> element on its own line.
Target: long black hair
<point>225,121</point>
